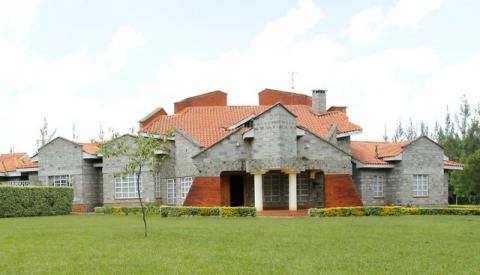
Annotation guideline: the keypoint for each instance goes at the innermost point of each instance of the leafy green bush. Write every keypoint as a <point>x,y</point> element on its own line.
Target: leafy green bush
<point>178,211</point>
<point>238,211</point>
<point>99,210</point>
<point>389,211</point>
<point>126,210</point>
<point>108,210</point>
<point>18,201</point>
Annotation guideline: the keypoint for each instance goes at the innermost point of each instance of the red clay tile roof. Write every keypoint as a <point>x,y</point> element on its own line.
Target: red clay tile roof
<point>90,148</point>
<point>13,161</point>
<point>207,125</point>
<point>372,152</point>
<point>452,163</point>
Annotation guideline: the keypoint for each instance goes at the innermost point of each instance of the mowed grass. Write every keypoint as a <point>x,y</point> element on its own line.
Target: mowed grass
<point>88,244</point>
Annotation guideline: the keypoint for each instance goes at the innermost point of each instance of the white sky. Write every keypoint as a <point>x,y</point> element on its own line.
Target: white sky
<point>384,60</point>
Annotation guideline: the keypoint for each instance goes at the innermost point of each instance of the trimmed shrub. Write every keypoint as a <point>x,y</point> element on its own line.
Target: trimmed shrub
<point>126,210</point>
<point>108,210</point>
<point>99,210</point>
<point>389,211</point>
<point>116,210</point>
<point>16,201</point>
<point>179,211</point>
<point>238,211</point>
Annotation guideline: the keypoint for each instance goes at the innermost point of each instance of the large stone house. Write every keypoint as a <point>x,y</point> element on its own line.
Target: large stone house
<point>288,152</point>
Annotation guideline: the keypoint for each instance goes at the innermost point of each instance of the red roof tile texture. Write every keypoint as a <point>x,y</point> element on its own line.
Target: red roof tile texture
<point>13,161</point>
<point>452,163</point>
<point>90,148</point>
<point>372,152</point>
<point>208,125</point>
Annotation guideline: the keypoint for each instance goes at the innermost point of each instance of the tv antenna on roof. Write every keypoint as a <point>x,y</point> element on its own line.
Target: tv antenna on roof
<point>292,79</point>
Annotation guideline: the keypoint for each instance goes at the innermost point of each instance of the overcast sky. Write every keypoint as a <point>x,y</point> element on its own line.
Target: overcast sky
<point>112,62</point>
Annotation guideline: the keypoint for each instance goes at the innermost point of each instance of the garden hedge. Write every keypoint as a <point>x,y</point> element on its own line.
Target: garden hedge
<point>389,211</point>
<point>17,201</point>
<point>179,211</point>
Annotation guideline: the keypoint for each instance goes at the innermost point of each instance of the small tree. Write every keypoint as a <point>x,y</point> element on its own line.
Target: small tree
<point>142,152</point>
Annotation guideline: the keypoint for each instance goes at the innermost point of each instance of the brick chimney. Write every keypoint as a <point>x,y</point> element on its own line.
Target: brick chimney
<point>319,101</point>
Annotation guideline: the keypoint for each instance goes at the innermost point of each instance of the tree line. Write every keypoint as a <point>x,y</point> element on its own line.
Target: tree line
<point>459,135</point>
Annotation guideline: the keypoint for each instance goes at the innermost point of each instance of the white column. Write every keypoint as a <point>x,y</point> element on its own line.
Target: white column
<point>292,191</point>
<point>258,192</point>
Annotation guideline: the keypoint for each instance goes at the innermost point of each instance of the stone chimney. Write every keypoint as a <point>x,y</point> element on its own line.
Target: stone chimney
<point>319,101</point>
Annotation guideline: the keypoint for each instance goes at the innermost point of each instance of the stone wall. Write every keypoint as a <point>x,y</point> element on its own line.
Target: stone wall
<point>317,154</point>
<point>63,157</point>
<point>420,157</point>
<point>365,180</point>
<point>275,135</point>
<point>229,154</point>
<point>114,166</point>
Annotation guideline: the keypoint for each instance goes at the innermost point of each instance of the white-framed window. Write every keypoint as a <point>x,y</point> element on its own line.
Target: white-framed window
<point>271,187</point>
<point>171,191</point>
<point>185,187</point>
<point>158,186</point>
<point>378,186</point>
<point>303,189</point>
<point>60,181</point>
<point>126,186</point>
<point>420,185</point>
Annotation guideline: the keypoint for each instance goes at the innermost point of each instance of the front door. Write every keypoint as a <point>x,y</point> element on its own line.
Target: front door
<point>236,190</point>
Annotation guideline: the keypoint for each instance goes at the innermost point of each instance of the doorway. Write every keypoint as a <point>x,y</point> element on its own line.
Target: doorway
<point>236,190</point>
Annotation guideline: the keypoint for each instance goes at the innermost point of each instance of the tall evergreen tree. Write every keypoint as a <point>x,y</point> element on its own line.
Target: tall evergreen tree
<point>385,134</point>
<point>464,116</point>
<point>424,129</point>
<point>411,132</point>
<point>399,133</point>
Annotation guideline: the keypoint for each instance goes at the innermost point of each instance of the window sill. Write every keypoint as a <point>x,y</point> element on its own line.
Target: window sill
<point>378,197</point>
<point>420,197</point>
<point>126,199</point>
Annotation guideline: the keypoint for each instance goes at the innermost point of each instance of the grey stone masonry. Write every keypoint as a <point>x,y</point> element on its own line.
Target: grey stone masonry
<point>153,186</point>
<point>275,135</point>
<point>421,157</point>
<point>62,157</point>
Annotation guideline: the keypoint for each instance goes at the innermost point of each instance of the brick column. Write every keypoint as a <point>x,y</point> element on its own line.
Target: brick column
<point>292,191</point>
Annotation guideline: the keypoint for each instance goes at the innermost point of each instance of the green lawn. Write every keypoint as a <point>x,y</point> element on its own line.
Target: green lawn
<point>115,244</point>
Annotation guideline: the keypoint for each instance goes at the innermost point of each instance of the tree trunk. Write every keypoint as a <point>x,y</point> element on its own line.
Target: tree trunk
<point>141,202</point>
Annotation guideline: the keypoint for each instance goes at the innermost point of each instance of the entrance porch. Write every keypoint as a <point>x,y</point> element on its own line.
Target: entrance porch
<point>273,190</point>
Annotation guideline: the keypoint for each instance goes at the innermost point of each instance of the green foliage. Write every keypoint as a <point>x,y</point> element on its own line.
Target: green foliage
<point>126,210</point>
<point>389,211</point>
<point>178,211</point>
<point>99,210</point>
<point>238,211</point>
<point>35,201</point>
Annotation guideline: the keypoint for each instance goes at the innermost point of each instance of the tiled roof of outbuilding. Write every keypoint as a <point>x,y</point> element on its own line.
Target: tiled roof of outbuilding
<point>372,152</point>
<point>452,163</point>
<point>13,161</point>
<point>208,124</point>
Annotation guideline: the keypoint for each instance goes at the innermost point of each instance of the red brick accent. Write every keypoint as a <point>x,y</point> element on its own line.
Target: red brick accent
<point>79,208</point>
<point>153,117</point>
<point>216,98</point>
<point>339,190</point>
<point>342,109</point>
<point>205,191</point>
<point>270,97</point>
